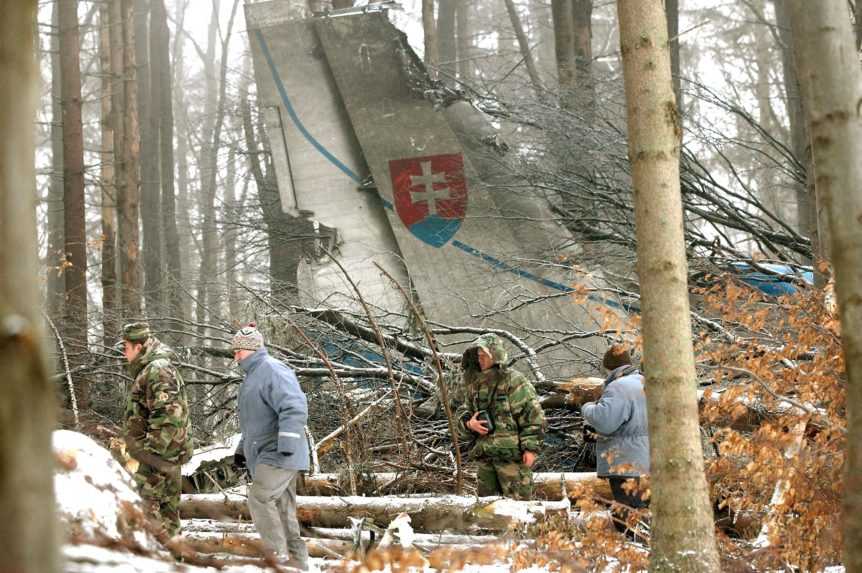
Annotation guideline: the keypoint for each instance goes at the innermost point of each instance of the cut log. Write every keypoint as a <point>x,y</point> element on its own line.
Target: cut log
<point>547,484</point>
<point>573,394</point>
<point>250,545</point>
<point>428,514</point>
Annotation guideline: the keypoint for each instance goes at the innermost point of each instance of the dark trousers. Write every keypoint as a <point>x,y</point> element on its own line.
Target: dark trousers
<point>628,501</point>
<point>632,499</point>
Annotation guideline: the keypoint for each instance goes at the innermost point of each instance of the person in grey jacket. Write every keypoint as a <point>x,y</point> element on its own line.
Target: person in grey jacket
<point>620,420</point>
<point>273,412</point>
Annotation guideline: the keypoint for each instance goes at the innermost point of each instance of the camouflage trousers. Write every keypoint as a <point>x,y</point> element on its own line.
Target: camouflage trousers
<point>510,479</point>
<point>161,494</point>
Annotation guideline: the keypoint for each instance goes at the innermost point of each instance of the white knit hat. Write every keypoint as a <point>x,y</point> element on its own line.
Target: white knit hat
<point>247,338</point>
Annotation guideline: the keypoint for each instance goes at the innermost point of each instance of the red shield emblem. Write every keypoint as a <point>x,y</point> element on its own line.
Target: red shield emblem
<point>430,195</point>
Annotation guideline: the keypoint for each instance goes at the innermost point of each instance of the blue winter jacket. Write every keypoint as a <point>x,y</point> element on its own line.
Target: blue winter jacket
<point>273,412</point>
<point>620,419</point>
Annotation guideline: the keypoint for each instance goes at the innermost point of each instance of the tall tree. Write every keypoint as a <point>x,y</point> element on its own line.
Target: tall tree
<point>150,183</point>
<point>524,45</point>
<point>162,88</point>
<point>806,214</point>
<point>432,49</point>
<point>184,231</point>
<point>129,194</point>
<point>582,29</point>
<point>564,49</point>
<point>683,536</point>
<point>672,13</point>
<point>56,283</point>
<point>831,82</point>
<point>75,310</point>
<point>28,530</point>
<point>446,35</point>
<point>463,19</point>
<point>858,22</point>
<point>216,100</point>
<point>106,181</point>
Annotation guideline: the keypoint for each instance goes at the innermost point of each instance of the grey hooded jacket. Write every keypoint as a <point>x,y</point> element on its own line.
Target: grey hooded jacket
<point>620,419</point>
<point>273,412</point>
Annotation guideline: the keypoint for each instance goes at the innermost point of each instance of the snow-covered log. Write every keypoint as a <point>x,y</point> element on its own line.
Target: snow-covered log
<point>428,513</point>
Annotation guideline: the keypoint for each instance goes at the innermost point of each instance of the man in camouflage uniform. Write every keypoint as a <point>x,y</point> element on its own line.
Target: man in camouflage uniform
<point>502,410</point>
<point>157,429</point>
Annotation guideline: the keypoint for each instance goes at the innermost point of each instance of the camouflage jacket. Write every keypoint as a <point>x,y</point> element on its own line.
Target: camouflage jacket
<point>157,426</point>
<point>519,423</point>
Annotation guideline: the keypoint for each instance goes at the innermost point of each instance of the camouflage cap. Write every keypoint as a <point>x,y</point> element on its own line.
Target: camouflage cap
<point>136,332</point>
<point>493,345</point>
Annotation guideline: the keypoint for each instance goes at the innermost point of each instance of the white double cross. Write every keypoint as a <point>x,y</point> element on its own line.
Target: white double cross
<point>428,194</point>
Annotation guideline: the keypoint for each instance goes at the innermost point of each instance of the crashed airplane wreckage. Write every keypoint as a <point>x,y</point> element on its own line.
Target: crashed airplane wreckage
<point>346,102</point>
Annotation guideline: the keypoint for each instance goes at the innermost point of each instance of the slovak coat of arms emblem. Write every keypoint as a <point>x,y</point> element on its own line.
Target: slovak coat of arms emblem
<point>430,195</point>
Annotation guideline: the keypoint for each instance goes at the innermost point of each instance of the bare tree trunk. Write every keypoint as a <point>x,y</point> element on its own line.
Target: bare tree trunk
<point>432,49</point>
<point>109,207</point>
<point>672,13</point>
<point>184,231</point>
<point>858,23</point>
<point>682,531</point>
<point>128,213</point>
<point>56,282</point>
<point>446,36</point>
<point>831,82</point>
<point>28,531</point>
<point>230,232</point>
<point>209,156</point>
<point>524,45</point>
<point>564,49</point>
<point>582,29</point>
<point>806,215</point>
<point>162,87</point>
<point>75,322</point>
<point>465,41</point>
<point>150,191</point>
<point>209,263</point>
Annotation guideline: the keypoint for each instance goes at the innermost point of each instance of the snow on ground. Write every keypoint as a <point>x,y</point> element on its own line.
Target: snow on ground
<point>212,453</point>
<point>95,495</point>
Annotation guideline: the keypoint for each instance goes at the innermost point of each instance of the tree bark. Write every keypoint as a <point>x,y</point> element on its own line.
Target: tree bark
<point>128,213</point>
<point>524,46</point>
<point>465,41</point>
<point>428,514</point>
<point>582,29</point>
<point>109,207</point>
<point>432,49</point>
<point>806,214</point>
<point>184,230</point>
<point>56,282</point>
<point>671,8</point>
<point>28,531</point>
<point>446,35</point>
<point>150,188</point>
<point>831,82</point>
<point>683,532</point>
<point>564,50</point>
<point>74,229</point>
<point>162,87</point>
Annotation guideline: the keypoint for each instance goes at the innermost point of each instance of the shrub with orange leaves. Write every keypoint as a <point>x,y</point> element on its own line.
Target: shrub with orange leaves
<point>785,370</point>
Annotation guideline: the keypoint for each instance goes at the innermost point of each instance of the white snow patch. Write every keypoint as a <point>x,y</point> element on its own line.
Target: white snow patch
<point>90,487</point>
<point>212,453</point>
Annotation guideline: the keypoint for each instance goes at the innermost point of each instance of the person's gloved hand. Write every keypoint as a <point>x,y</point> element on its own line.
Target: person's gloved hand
<point>589,433</point>
<point>239,462</point>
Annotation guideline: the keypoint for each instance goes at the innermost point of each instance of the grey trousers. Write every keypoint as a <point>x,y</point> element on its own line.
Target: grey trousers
<point>272,503</point>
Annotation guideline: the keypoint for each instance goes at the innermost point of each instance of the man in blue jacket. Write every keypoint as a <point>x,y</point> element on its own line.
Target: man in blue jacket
<point>273,412</point>
<point>620,420</point>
